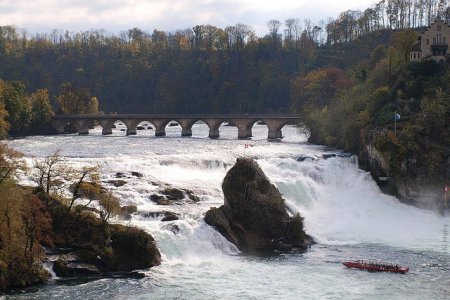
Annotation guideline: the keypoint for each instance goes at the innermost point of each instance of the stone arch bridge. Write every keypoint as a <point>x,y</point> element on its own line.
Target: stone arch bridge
<point>244,123</point>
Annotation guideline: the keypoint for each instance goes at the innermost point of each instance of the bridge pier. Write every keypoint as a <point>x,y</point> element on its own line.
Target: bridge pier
<point>59,125</point>
<point>107,126</point>
<point>160,126</point>
<point>131,126</point>
<point>275,127</point>
<point>186,127</point>
<point>213,125</point>
<point>244,127</point>
<point>82,126</point>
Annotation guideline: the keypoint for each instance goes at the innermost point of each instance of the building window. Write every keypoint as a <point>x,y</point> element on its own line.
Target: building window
<point>428,41</point>
<point>439,28</point>
<point>444,40</point>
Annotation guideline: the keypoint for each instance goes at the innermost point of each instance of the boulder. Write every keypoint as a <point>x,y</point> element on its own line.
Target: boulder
<point>174,228</point>
<point>131,249</point>
<point>126,211</point>
<point>137,174</point>
<point>63,268</point>
<point>173,193</point>
<point>254,215</point>
<point>159,199</point>
<point>169,216</point>
<point>117,182</point>
<point>129,209</point>
<point>192,196</point>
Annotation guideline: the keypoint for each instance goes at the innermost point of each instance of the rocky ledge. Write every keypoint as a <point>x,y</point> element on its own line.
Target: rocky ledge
<point>87,246</point>
<point>254,216</point>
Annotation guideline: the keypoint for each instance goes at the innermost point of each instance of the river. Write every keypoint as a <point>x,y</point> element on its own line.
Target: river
<point>344,211</point>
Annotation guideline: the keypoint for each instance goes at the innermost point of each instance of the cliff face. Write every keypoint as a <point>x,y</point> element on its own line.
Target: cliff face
<point>254,215</point>
<point>403,178</point>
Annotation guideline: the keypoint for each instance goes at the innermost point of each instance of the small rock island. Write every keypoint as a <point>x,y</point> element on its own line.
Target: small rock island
<point>254,216</point>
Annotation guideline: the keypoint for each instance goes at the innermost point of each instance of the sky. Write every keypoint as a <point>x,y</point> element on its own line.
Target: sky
<point>42,16</point>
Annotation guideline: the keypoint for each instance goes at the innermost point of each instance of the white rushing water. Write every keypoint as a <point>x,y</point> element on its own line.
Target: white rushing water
<point>344,211</point>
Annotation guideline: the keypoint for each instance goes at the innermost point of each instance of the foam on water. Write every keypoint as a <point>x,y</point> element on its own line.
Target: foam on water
<point>343,205</point>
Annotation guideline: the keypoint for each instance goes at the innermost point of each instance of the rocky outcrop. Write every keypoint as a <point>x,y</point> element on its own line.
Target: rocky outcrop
<point>64,268</point>
<point>126,212</point>
<point>132,248</point>
<point>98,248</point>
<point>254,215</point>
<point>117,182</point>
<point>166,216</point>
<point>171,195</point>
<point>169,216</point>
<point>404,180</point>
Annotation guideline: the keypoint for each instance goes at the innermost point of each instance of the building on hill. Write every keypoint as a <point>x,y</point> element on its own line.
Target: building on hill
<point>433,42</point>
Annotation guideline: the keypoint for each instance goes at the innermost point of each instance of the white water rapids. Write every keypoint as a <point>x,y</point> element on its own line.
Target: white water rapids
<point>344,211</point>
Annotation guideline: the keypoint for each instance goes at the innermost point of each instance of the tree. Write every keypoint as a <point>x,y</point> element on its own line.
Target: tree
<point>274,26</point>
<point>4,125</point>
<point>403,41</point>
<point>109,206</point>
<point>50,171</point>
<point>41,111</point>
<point>436,116</point>
<point>76,101</point>
<point>319,87</point>
<point>10,162</point>
<point>87,184</point>
<point>92,107</point>
<point>37,224</point>
<point>17,104</point>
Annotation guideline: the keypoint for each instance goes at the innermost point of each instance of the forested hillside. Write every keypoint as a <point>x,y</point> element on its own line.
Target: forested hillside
<point>204,69</point>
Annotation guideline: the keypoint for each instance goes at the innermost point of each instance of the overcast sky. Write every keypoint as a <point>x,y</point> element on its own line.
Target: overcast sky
<point>41,16</point>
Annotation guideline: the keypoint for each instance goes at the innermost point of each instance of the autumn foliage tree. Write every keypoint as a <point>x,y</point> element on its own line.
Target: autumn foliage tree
<point>319,87</point>
<point>17,104</point>
<point>73,100</point>
<point>41,111</point>
<point>22,223</point>
<point>4,125</point>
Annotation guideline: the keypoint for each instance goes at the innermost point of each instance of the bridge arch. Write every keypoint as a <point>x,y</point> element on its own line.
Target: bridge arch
<point>196,127</point>
<point>275,126</point>
<point>214,125</point>
<point>244,127</point>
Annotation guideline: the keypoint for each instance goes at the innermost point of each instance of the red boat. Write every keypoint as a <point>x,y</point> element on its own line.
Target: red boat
<point>375,267</point>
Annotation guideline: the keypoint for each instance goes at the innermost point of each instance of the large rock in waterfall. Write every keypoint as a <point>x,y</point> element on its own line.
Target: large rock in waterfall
<point>254,215</point>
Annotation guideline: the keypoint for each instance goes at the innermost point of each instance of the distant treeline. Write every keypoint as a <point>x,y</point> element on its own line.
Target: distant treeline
<point>205,69</point>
